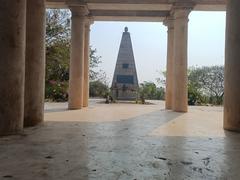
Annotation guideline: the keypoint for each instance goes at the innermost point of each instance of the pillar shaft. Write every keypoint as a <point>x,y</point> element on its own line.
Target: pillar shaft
<point>180,95</point>
<point>86,65</point>
<point>232,68</point>
<point>169,74</point>
<point>76,81</point>
<point>12,50</point>
<point>35,63</point>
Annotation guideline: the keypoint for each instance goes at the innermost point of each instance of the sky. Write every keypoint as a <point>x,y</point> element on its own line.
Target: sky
<point>206,43</point>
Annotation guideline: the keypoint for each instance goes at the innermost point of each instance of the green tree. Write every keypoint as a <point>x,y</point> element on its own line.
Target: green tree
<point>207,83</point>
<point>149,90</point>
<point>160,94</point>
<point>58,55</point>
<point>98,89</point>
<point>57,26</point>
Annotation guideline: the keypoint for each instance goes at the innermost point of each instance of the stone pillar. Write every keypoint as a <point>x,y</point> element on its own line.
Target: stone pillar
<point>35,63</point>
<point>86,63</point>
<point>180,92</point>
<point>12,50</point>
<point>169,22</point>
<point>232,68</point>
<point>76,81</point>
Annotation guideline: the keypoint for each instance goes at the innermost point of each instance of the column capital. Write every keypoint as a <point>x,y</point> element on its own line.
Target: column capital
<point>181,10</point>
<point>89,20</point>
<point>79,11</point>
<point>169,22</point>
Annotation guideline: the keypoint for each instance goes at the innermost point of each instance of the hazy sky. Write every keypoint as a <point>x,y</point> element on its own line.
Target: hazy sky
<point>206,41</point>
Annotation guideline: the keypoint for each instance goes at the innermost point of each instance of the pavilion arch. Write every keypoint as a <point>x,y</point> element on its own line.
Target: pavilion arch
<point>22,65</point>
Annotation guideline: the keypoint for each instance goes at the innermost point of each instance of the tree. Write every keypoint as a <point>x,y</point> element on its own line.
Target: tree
<point>205,85</point>
<point>58,56</point>
<point>98,89</point>
<point>161,80</point>
<point>209,82</point>
<point>149,90</point>
<point>95,61</point>
<point>57,26</point>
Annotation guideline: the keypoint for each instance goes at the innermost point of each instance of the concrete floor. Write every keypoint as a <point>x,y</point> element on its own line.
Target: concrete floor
<point>123,141</point>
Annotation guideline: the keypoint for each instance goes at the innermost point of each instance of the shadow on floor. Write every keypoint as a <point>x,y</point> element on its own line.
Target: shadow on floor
<point>116,150</point>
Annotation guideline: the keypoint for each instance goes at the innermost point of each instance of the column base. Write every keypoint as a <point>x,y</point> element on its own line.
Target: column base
<point>12,133</point>
<point>74,108</point>
<point>168,108</point>
<point>232,129</point>
<point>180,111</point>
<point>32,123</point>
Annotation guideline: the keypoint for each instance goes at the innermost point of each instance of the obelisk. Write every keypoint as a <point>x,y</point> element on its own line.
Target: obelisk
<point>125,80</point>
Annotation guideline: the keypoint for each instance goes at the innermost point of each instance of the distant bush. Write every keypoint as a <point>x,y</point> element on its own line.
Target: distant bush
<point>98,89</point>
<point>149,90</point>
<point>56,91</point>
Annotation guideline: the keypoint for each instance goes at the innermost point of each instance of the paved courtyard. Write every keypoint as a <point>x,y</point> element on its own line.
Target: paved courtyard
<point>123,141</point>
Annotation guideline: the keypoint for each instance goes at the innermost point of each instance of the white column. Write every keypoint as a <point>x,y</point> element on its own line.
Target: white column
<point>86,63</point>
<point>76,81</point>
<point>180,92</point>
<point>232,68</point>
<point>12,50</point>
<point>169,22</point>
<point>35,63</point>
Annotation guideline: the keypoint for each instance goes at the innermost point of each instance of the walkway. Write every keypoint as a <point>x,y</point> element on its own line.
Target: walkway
<point>123,141</point>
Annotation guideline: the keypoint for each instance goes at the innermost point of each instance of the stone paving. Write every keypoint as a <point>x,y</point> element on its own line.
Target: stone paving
<point>122,141</point>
